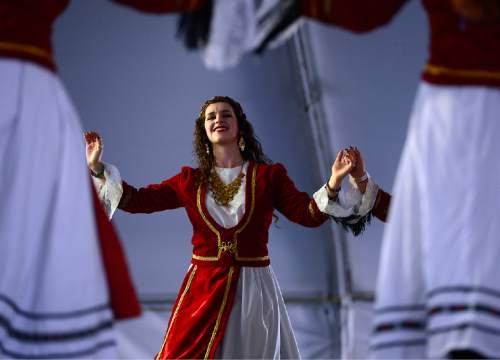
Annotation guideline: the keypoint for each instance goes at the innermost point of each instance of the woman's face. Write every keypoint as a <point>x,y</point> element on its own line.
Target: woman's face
<point>221,124</point>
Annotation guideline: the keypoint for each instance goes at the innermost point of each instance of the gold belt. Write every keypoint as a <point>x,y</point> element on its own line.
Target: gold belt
<point>235,257</point>
<point>465,73</point>
<point>27,49</point>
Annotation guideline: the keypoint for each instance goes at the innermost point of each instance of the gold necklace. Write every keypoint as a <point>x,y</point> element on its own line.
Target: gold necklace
<point>222,193</point>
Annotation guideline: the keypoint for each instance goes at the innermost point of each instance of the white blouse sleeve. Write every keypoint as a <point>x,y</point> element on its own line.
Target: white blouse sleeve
<point>351,209</point>
<point>109,189</point>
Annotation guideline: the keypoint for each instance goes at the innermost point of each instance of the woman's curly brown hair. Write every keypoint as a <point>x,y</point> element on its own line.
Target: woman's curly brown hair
<point>253,149</point>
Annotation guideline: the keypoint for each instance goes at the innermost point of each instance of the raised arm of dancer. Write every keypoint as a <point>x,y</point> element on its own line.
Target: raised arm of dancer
<point>352,205</point>
<point>354,15</point>
<point>297,206</point>
<point>344,203</point>
<point>93,151</point>
<point>342,166</point>
<point>115,193</point>
<point>106,177</point>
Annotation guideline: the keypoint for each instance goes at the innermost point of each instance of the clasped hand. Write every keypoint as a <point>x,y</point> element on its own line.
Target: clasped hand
<point>347,161</point>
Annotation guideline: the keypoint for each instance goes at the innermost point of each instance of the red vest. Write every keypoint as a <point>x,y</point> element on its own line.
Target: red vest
<point>204,302</point>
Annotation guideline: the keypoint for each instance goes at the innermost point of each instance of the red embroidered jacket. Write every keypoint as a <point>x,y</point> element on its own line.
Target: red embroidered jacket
<point>202,308</point>
<point>268,187</point>
<point>461,52</point>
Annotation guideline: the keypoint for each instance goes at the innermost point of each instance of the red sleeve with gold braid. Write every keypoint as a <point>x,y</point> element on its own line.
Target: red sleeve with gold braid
<point>297,206</point>
<point>163,6</point>
<point>151,198</point>
<point>381,206</point>
<point>355,15</point>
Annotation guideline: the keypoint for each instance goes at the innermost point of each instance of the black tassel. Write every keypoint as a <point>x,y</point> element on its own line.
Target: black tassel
<point>194,27</point>
<point>355,224</point>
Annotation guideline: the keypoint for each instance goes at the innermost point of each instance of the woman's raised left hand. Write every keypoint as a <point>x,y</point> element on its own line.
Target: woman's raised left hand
<point>343,165</point>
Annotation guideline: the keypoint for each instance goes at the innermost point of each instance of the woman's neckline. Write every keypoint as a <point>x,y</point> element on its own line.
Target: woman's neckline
<point>230,168</point>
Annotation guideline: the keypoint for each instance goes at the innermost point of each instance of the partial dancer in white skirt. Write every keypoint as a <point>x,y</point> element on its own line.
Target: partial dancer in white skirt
<point>438,291</point>
<point>54,300</point>
<point>439,286</point>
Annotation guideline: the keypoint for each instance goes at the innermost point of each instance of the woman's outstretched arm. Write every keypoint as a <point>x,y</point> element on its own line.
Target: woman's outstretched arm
<point>115,193</point>
<point>298,206</point>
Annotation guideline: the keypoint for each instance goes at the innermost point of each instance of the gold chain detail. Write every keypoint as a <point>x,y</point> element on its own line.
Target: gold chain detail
<point>223,194</point>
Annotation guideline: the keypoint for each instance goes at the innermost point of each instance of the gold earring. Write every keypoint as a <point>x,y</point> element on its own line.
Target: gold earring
<point>241,144</point>
<point>207,149</point>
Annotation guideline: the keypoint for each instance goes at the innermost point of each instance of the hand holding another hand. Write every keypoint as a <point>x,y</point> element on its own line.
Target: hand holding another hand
<point>358,173</point>
<point>358,170</point>
<point>343,165</point>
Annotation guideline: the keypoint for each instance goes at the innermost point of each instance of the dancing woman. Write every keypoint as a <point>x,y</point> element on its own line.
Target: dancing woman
<point>229,199</point>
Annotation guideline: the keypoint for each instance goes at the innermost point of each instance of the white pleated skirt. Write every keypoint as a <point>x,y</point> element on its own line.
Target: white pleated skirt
<point>258,326</point>
<point>53,293</point>
<point>439,280</point>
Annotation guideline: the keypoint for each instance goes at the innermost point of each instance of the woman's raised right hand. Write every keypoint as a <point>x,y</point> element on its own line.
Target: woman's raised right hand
<point>93,150</point>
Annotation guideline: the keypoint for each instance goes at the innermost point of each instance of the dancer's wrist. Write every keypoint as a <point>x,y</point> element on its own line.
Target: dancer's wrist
<point>334,183</point>
<point>360,178</point>
<point>96,169</point>
<point>333,187</point>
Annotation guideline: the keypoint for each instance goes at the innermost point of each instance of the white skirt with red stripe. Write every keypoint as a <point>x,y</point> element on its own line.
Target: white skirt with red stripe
<point>54,300</point>
<point>439,280</point>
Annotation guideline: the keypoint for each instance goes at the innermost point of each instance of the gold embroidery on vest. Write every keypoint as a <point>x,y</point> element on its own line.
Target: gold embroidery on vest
<point>252,208</point>
<point>221,311</point>
<point>211,227</point>
<point>441,70</point>
<point>26,48</point>
<point>230,246</point>
<point>181,299</point>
